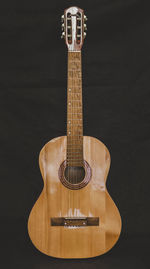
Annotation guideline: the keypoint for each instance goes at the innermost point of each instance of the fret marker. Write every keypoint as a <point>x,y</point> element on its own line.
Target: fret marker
<point>69,122</point>
<point>69,90</point>
<point>69,132</point>
<point>69,104</point>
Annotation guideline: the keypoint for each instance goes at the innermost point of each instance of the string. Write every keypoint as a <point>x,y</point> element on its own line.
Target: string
<point>74,122</point>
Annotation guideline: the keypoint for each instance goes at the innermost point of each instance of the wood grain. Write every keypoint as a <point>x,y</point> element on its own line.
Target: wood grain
<point>74,111</point>
<point>90,201</point>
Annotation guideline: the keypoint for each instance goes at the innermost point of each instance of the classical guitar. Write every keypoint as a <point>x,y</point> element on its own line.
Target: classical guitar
<point>74,216</point>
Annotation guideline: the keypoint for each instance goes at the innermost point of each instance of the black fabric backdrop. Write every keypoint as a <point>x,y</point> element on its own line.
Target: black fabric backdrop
<point>116,95</point>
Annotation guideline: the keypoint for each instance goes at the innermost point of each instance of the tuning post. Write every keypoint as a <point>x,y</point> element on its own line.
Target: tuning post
<point>84,34</point>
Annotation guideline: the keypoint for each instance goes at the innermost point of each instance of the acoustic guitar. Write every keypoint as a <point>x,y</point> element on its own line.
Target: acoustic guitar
<point>74,216</point>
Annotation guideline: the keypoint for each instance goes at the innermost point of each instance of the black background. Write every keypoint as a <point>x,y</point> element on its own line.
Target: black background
<point>116,95</point>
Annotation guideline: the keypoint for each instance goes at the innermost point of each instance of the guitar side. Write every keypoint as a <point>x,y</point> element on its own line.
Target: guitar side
<point>92,200</point>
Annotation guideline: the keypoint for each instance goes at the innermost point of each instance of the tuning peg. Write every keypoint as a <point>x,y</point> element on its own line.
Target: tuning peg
<point>85,18</point>
<point>62,26</point>
<point>62,18</point>
<point>84,34</point>
<point>85,27</point>
<point>63,35</point>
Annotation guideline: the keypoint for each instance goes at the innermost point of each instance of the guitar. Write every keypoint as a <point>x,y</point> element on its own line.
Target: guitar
<point>74,216</point>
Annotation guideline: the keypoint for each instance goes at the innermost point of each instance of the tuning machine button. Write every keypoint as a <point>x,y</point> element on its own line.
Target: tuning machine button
<point>62,18</point>
<point>85,27</point>
<point>84,34</point>
<point>63,35</point>
<point>85,18</point>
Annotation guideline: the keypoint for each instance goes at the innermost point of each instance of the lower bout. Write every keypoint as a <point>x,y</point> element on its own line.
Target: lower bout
<point>74,242</point>
<point>67,243</point>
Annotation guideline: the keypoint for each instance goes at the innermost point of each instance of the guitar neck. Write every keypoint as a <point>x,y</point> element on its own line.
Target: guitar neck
<point>73,27</point>
<point>74,110</point>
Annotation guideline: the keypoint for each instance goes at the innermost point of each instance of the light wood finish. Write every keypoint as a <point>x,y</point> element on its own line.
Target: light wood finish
<point>90,201</point>
<point>74,111</point>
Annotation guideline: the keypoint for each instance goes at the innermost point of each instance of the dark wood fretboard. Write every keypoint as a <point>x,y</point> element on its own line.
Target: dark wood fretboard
<point>74,111</point>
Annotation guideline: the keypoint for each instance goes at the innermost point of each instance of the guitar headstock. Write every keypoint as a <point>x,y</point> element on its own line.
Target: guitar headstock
<point>74,27</point>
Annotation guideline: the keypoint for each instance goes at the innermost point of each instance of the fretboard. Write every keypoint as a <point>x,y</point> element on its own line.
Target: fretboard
<point>74,111</point>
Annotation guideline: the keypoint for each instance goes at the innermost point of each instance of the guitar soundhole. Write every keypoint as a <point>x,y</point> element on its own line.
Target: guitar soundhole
<point>74,174</point>
<point>74,177</point>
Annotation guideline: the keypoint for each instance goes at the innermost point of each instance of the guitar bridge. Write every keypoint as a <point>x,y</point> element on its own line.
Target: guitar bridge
<point>75,221</point>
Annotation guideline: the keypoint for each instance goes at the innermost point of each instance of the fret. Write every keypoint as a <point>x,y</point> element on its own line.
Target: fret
<point>71,110</point>
<point>75,160</point>
<point>72,152</point>
<point>74,112</point>
<point>76,130</point>
<point>70,146</point>
<point>71,119</point>
<point>71,141</point>
<point>73,100</point>
<point>75,163</point>
<point>75,126</point>
<point>75,92</point>
<point>76,77</point>
<point>74,61</point>
<point>74,85</point>
<point>74,146</point>
<point>79,125</point>
<point>72,105</point>
<point>72,134</point>
<point>74,70</point>
<point>71,88</point>
<point>78,142</point>
<point>76,135</point>
<point>75,138</point>
<point>75,155</point>
<point>76,120</point>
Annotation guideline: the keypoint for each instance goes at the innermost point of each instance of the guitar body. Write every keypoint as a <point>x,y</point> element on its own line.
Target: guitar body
<point>56,201</point>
